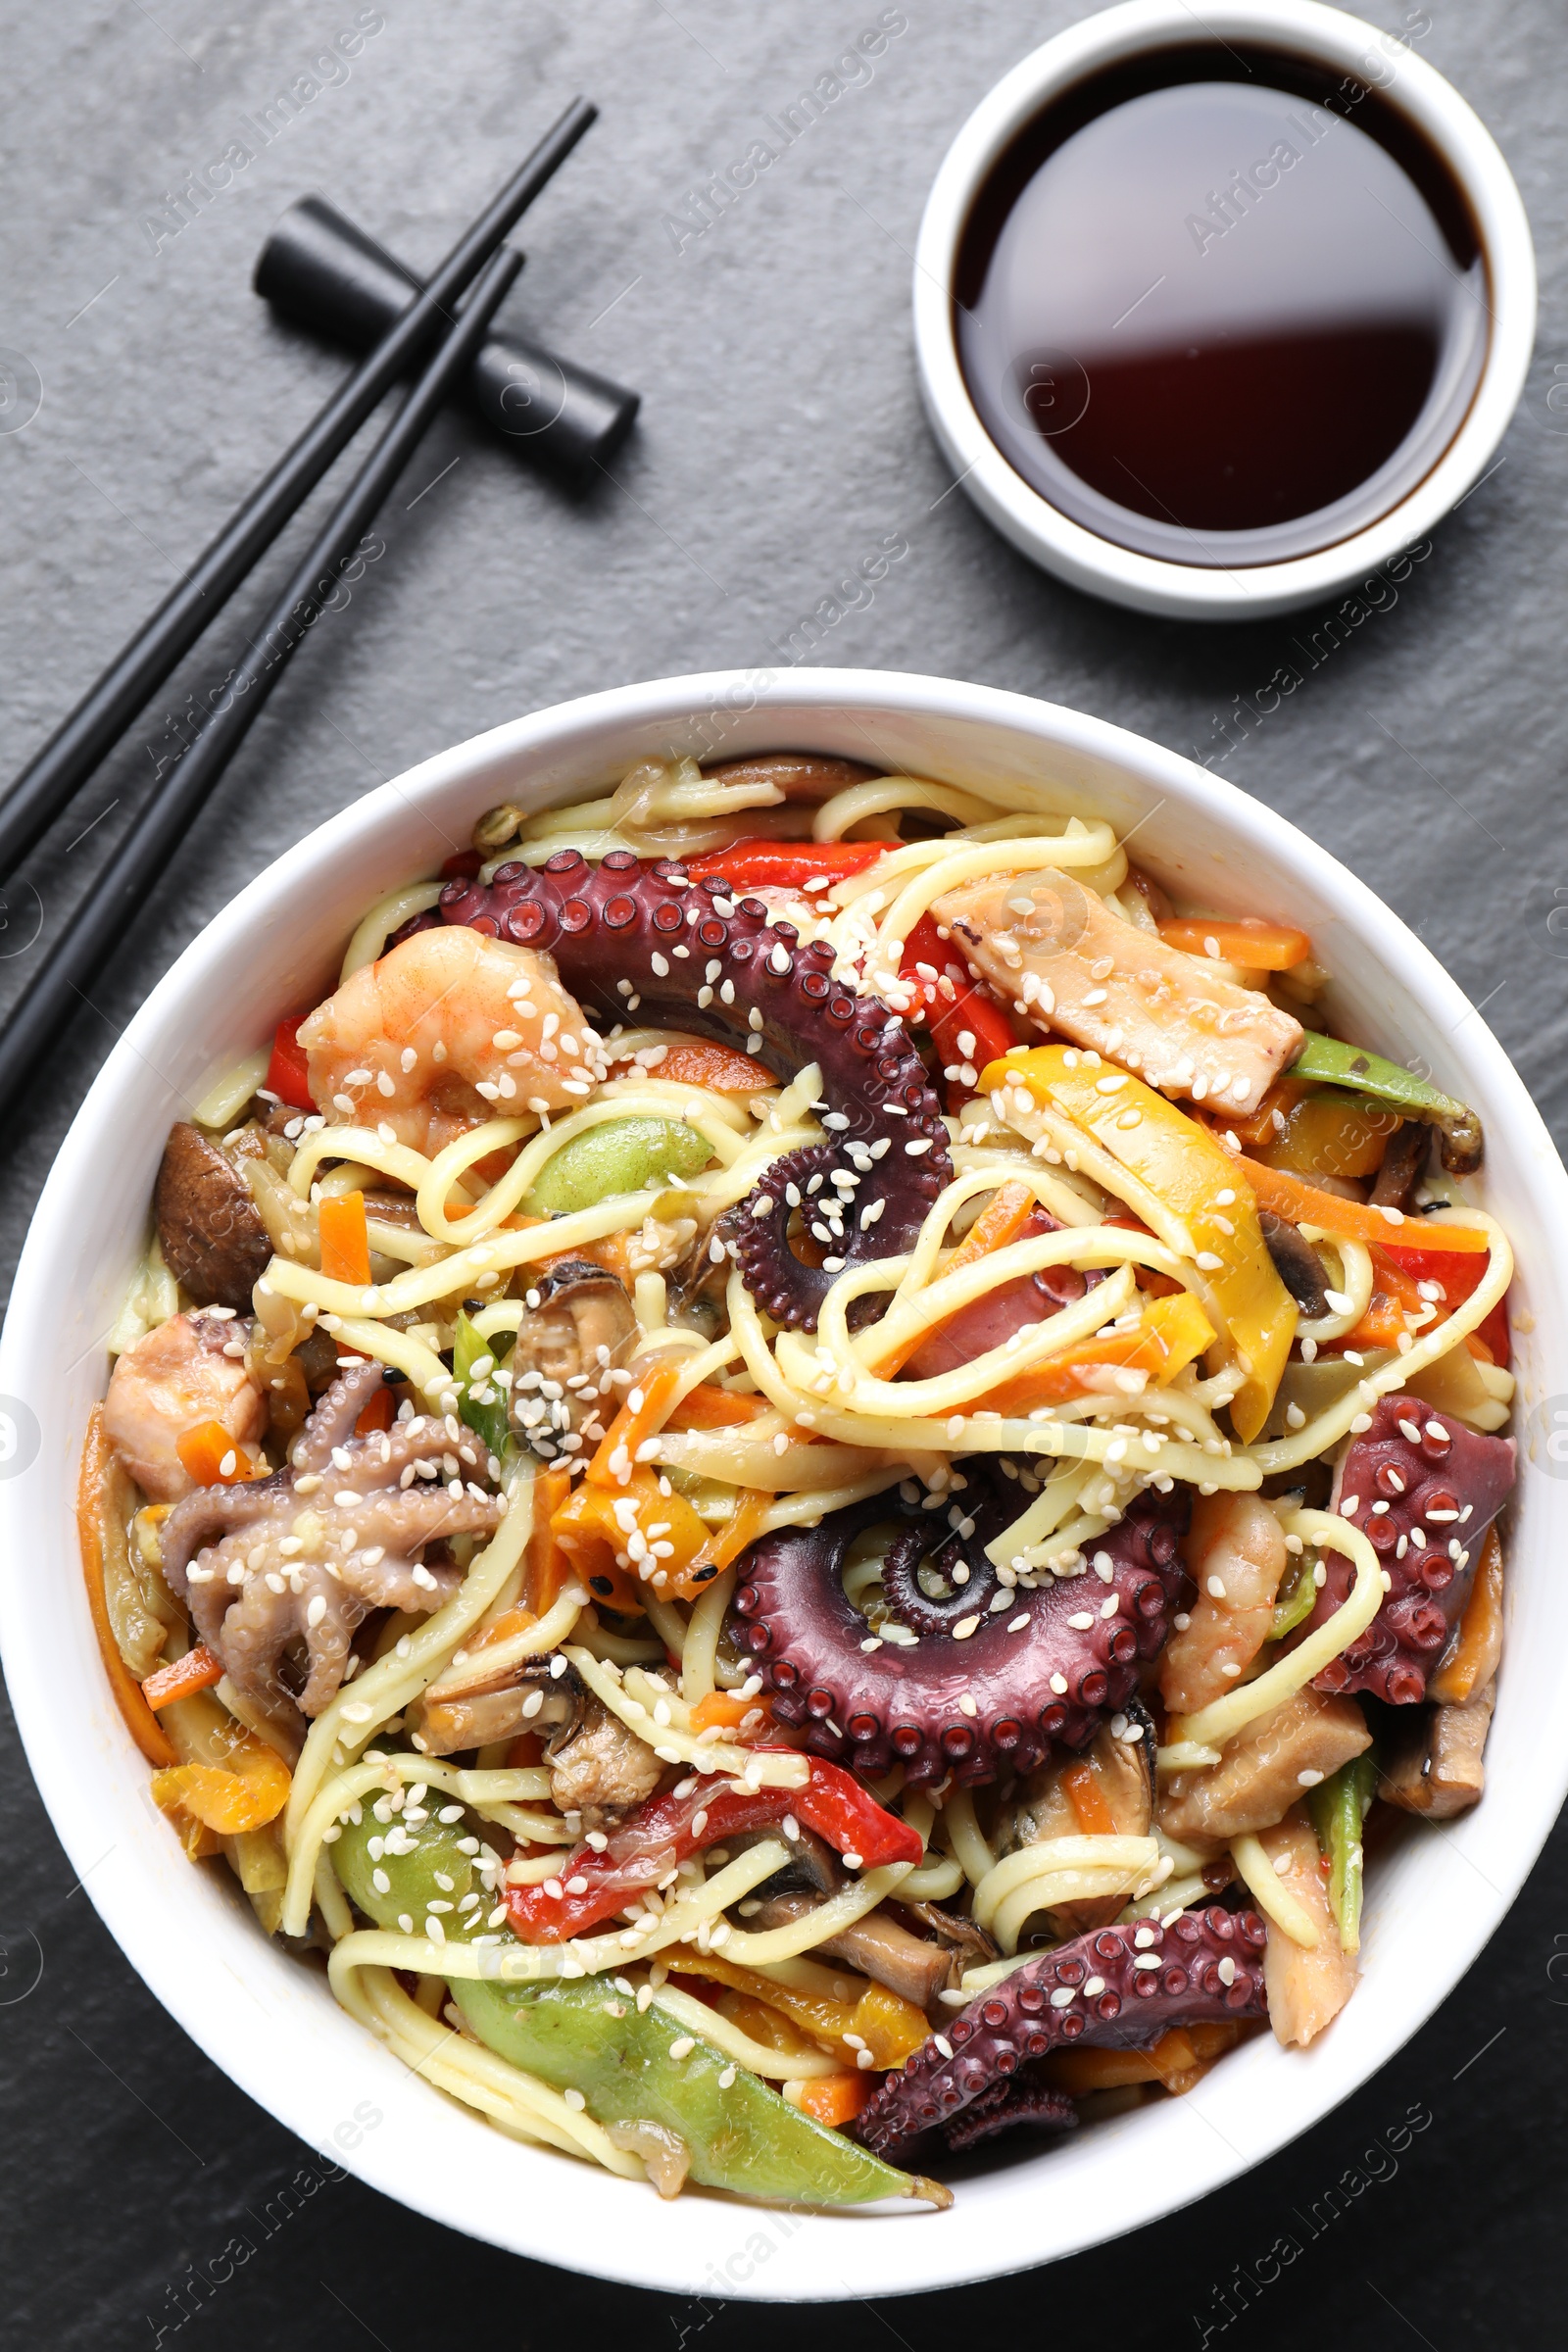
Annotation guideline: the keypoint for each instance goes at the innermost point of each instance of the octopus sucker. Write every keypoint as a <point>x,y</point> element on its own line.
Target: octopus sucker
<point>636,936</point>
<point>983,1690</point>
<point>1424,1490</point>
<point>1122,1987</point>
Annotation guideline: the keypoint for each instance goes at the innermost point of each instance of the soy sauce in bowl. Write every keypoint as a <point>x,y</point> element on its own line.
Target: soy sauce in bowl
<point>1218,309</point>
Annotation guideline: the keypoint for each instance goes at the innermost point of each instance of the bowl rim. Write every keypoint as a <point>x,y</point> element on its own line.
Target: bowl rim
<point>1242,2114</point>
<point>1151,583</point>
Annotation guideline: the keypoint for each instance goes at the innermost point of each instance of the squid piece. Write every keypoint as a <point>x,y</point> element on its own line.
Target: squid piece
<point>1061,958</point>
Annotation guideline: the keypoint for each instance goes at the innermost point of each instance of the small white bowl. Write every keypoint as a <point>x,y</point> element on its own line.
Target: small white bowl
<point>269,2021</point>
<point>1325,36</point>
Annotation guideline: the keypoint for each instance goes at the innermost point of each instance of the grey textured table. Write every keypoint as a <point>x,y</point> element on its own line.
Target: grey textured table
<point>781,443</point>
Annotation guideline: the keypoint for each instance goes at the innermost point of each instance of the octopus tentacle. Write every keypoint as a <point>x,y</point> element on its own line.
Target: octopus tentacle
<point>988,1695</point>
<point>1423,1488</point>
<point>1122,1986</point>
<point>1015,2099</point>
<point>633,936</point>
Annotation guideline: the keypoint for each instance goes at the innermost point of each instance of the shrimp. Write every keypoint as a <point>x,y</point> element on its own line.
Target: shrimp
<point>174,1378</point>
<point>1235,1556</point>
<point>448,1030</point>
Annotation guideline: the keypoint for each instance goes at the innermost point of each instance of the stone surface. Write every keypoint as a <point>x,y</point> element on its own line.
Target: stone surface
<point>781,442</point>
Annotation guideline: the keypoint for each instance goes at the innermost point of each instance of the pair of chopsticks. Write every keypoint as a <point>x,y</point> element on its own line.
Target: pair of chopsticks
<point>45,787</point>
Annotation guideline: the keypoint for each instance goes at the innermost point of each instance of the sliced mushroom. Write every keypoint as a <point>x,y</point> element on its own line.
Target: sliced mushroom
<point>965,1941</point>
<point>798,776</point>
<point>599,1768</point>
<point>1296,1262</point>
<point>1260,1772</point>
<point>582,1327</point>
<point>1404,1163</point>
<point>1435,1763</point>
<point>210,1230</point>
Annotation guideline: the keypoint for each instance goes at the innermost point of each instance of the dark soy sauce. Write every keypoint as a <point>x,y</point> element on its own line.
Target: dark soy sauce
<point>1221,307</point>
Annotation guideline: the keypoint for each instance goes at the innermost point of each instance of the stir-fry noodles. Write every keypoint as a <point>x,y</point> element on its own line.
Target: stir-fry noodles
<point>799,1480</point>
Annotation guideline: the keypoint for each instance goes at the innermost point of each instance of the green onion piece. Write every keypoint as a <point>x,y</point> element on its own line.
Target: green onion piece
<point>488,1419</point>
<point>1294,1603</point>
<point>1339,1807</point>
<point>1331,1061</point>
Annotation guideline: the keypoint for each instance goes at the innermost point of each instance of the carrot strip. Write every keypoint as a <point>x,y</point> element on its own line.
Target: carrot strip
<point>548,1569</point>
<point>1095,1817</point>
<point>377,1415</point>
<point>720,1707</point>
<point>195,1671</point>
<point>634,1425</point>
<point>709,1407</point>
<point>999,1223</point>
<point>212,1456</point>
<point>835,2099</point>
<point>700,1064</point>
<point>139,1719</point>
<point>1248,940</point>
<point>1474,1658</point>
<point>1172,1332</point>
<point>1305,1204</point>
<point>345,1238</point>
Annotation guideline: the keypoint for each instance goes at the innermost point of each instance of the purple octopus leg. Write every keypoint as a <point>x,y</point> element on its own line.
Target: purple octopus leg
<point>633,936</point>
<point>1423,1488</point>
<point>1120,1987</point>
<point>1005,2105</point>
<point>984,1691</point>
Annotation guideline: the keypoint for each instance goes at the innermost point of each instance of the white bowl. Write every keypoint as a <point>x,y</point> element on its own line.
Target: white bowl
<point>1350,48</point>
<point>270,2021</point>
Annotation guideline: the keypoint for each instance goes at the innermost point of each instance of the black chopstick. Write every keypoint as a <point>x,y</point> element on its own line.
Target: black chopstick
<point>45,786</point>
<point>94,928</point>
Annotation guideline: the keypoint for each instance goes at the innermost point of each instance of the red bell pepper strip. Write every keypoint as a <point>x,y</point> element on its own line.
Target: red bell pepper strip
<point>1458,1277</point>
<point>287,1073</point>
<point>784,864</point>
<point>668,1829</point>
<point>952,1006</point>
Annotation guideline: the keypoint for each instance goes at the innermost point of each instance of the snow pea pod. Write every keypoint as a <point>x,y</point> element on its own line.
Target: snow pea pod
<point>632,2066</point>
<point>1335,1064</point>
<point>620,1157</point>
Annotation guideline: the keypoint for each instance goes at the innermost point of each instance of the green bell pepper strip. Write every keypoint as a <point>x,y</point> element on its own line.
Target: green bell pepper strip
<point>488,1421</point>
<point>620,1157</point>
<point>1339,1807</point>
<point>632,2065</point>
<point>1334,1064</point>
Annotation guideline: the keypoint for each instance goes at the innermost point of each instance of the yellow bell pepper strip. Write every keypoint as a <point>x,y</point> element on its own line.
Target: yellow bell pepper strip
<point>1196,1190</point>
<point>92,1504</point>
<point>1307,1204</point>
<point>1459,1130</point>
<point>656,1537</point>
<point>891,2027</point>
<point>1328,1132</point>
<point>1172,1332</point>
<point>244,1792</point>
